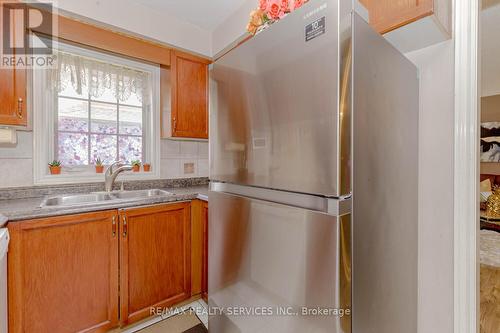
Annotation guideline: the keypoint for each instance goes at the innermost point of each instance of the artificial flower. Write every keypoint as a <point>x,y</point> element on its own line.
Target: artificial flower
<point>274,9</point>
<point>252,28</point>
<point>263,5</point>
<point>285,6</point>
<point>297,4</point>
<point>257,17</point>
<point>270,11</point>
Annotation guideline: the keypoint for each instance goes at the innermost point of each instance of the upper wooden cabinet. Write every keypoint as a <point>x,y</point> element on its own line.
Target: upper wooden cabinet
<point>63,274</point>
<point>13,88</point>
<point>189,84</point>
<point>13,97</point>
<point>387,15</point>
<point>155,259</point>
<point>426,21</point>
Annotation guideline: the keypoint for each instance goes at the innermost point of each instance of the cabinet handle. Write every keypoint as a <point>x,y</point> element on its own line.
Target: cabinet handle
<point>20,102</point>
<point>124,226</point>
<point>113,228</point>
<point>175,124</point>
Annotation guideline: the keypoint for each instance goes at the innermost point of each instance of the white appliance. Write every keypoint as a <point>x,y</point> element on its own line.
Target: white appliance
<point>4,246</point>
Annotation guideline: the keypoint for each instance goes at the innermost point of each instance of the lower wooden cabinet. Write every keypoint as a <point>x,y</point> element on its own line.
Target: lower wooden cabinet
<point>199,248</point>
<point>97,271</point>
<point>155,259</point>
<point>63,274</point>
<point>204,219</point>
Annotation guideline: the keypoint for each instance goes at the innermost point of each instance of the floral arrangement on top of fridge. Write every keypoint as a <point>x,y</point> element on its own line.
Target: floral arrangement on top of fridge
<point>270,11</point>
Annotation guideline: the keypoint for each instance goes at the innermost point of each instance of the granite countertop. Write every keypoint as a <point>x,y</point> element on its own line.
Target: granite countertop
<point>29,208</point>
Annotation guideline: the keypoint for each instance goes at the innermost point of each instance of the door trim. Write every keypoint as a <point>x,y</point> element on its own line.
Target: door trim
<point>466,181</point>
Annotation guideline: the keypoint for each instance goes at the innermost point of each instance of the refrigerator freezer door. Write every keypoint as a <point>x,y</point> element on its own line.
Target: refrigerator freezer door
<point>385,187</point>
<point>275,106</point>
<point>270,261</point>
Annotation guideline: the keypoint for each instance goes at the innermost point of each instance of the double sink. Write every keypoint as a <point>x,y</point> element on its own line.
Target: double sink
<point>101,198</point>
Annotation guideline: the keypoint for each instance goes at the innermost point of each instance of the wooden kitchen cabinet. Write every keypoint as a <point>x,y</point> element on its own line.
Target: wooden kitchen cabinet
<point>155,259</point>
<point>13,97</point>
<point>13,110</point>
<point>63,274</point>
<point>199,248</point>
<point>189,96</point>
<point>388,15</point>
<point>204,285</point>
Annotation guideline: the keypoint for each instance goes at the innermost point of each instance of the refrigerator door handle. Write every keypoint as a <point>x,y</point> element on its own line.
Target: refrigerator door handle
<point>331,206</point>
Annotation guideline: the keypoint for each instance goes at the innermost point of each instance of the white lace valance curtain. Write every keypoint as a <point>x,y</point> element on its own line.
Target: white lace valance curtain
<point>97,77</point>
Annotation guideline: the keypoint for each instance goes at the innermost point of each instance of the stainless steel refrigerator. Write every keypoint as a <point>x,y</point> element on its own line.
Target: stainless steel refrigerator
<point>313,208</point>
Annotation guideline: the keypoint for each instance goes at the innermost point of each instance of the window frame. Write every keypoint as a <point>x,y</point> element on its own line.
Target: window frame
<point>44,99</point>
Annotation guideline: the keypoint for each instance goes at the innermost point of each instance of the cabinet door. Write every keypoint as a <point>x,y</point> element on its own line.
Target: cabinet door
<point>63,274</point>
<point>155,259</point>
<point>199,248</point>
<point>387,15</point>
<point>13,88</point>
<point>189,97</point>
<point>204,284</point>
<point>196,247</point>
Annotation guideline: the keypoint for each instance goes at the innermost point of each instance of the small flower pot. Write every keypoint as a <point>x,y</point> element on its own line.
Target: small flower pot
<point>136,168</point>
<point>55,170</point>
<point>147,167</point>
<point>99,168</point>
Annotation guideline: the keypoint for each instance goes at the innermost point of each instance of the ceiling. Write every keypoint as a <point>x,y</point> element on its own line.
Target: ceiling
<point>206,14</point>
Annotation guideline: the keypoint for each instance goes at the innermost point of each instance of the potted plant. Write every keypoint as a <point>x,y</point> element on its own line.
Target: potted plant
<point>99,167</point>
<point>136,165</point>
<point>55,167</point>
<point>146,167</point>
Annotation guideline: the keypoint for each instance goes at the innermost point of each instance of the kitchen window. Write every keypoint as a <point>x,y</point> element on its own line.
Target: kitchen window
<point>98,127</point>
<point>94,105</point>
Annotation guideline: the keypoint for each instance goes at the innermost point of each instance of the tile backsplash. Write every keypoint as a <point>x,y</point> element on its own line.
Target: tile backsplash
<point>184,159</point>
<point>17,162</point>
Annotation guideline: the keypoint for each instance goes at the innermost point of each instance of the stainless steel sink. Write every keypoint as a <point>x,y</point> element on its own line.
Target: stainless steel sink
<point>100,198</point>
<point>139,194</point>
<point>73,200</point>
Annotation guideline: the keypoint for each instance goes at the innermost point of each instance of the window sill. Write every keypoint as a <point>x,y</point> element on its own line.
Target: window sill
<point>88,177</point>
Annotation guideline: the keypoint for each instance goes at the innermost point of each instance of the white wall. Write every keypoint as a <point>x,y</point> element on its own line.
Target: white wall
<point>490,44</point>
<point>143,21</point>
<point>17,162</point>
<point>436,66</point>
<point>233,28</point>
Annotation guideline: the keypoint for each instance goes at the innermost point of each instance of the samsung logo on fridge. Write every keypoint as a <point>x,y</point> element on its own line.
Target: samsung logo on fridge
<point>315,11</point>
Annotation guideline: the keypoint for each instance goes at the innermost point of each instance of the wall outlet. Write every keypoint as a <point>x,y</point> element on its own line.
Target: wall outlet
<point>188,168</point>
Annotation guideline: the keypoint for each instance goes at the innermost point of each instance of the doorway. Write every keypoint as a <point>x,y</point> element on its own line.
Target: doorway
<point>489,158</point>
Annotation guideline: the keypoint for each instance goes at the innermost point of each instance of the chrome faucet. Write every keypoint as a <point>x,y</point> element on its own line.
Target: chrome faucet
<point>111,174</point>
